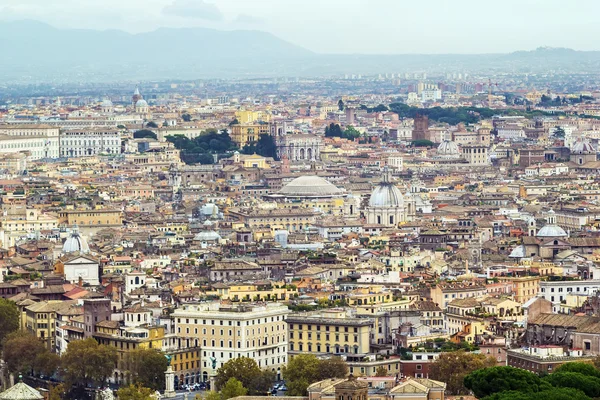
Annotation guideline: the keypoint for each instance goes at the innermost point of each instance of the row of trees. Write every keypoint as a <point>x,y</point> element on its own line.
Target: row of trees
<point>200,150</point>
<point>456,115</point>
<point>305,369</point>
<point>240,376</point>
<point>334,130</point>
<point>85,363</point>
<point>570,381</point>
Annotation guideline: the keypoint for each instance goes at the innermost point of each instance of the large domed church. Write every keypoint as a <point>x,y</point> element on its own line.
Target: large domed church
<point>387,206</point>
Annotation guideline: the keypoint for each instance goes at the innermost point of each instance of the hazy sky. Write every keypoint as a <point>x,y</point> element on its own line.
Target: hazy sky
<point>346,26</point>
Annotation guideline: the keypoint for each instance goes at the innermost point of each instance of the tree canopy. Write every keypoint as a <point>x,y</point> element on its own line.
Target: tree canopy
<point>453,367</point>
<point>186,117</point>
<point>552,394</point>
<point>246,371</point>
<point>144,134</point>
<point>199,149</point>
<point>87,362</point>
<point>304,369</point>
<point>333,130</point>
<point>147,368</point>
<point>455,115</point>
<point>9,315</point>
<point>487,381</point>
<point>21,351</point>
<point>233,388</point>
<point>265,146</point>
<point>151,124</point>
<point>135,392</point>
<point>350,133</point>
<point>422,143</point>
<point>589,385</point>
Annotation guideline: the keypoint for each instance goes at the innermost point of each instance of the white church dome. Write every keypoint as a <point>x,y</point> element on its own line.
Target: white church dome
<point>141,103</point>
<point>76,243</point>
<point>551,231</point>
<point>448,149</point>
<point>386,194</point>
<point>583,147</point>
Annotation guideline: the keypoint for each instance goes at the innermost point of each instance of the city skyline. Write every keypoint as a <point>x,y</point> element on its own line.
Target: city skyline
<point>342,27</point>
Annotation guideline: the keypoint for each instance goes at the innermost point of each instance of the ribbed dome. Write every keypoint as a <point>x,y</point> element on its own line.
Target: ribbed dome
<point>310,186</point>
<point>583,147</point>
<point>76,243</point>
<point>106,103</point>
<point>386,194</point>
<point>141,103</point>
<point>551,231</point>
<point>448,149</point>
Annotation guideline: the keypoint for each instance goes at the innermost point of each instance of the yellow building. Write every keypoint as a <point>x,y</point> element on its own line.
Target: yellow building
<point>523,288</point>
<point>249,116</point>
<point>40,319</point>
<point>185,361</point>
<point>242,134</point>
<point>329,331</point>
<point>97,218</point>
<point>294,219</point>
<point>275,291</point>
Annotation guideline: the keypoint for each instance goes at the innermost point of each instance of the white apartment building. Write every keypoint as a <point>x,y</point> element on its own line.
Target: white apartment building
<point>89,142</point>
<point>37,141</point>
<point>557,291</point>
<point>227,331</point>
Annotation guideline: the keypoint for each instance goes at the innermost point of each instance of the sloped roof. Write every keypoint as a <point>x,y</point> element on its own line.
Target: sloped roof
<point>21,391</point>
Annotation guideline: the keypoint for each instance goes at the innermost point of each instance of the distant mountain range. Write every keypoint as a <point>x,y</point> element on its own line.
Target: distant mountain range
<point>34,51</point>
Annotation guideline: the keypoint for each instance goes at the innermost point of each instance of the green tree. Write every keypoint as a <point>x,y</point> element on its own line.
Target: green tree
<point>559,132</point>
<point>9,315</point>
<point>487,381</point>
<point>553,394</point>
<point>333,367</point>
<point>422,143</point>
<point>135,392</point>
<point>151,124</point>
<point>186,117</point>
<point>147,368</point>
<point>341,105</point>
<point>47,363</point>
<point>144,134</point>
<point>454,366</point>
<point>211,395</point>
<point>580,367</point>
<point>121,127</point>
<point>304,369</point>
<point>234,122</point>
<point>587,384</point>
<point>300,372</point>
<point>333,130</point>
<point>56,392</point>
<point>351,133</point>
<point>21,350</point>
<point>244,369</point>
<point>233,388</point>
<point>381,371</point>
<point>87,362</point>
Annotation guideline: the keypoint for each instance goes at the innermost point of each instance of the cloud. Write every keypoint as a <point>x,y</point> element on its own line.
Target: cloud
<point>194,9</point>
<point>248,19</point>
